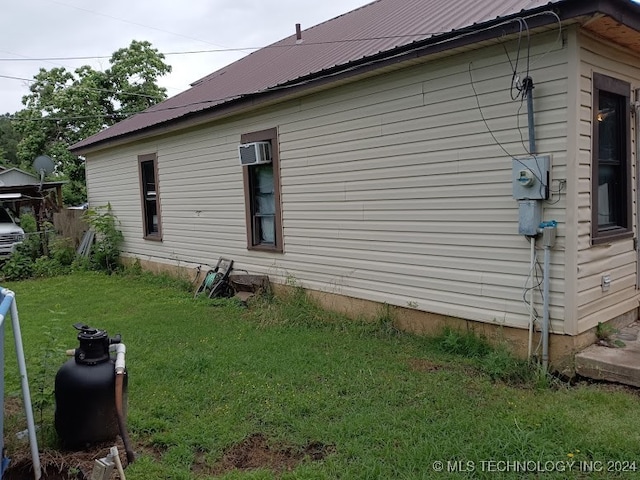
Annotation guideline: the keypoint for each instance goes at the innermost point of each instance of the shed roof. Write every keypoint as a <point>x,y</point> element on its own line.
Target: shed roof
<point>378,30</point>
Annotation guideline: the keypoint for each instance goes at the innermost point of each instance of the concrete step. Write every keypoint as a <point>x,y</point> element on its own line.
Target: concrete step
<point>615,360</point>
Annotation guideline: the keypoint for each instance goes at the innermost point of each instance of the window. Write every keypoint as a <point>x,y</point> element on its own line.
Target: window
<point>262,196</point>
<point>148,168</point>
<point>611,160</point>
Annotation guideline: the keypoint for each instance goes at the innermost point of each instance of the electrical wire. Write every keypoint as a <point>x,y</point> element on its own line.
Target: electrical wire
<point>521,89</point>
<point>89,89</point>
<point>484,120</point>
<point>212,102</point>
<point>132,23</point>
<point>514,67</point>
<point>239,49</point>
<point>533,275</point>
<point>277,45</point>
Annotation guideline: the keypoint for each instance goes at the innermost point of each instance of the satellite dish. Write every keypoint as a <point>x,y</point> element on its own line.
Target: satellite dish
<point>43,165</point>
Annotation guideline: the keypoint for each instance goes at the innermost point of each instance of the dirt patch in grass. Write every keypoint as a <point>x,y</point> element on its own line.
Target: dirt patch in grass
<point>24,471</point>
<point>56,465</point>
<point>422,365</point>
<point>257,452</point>
<point>13,406</point>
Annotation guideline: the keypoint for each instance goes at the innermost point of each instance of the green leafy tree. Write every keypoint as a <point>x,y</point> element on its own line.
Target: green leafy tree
<point>65,107</point>
<point>9,138</point>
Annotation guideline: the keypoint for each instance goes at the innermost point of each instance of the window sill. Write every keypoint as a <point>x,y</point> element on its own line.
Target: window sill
<point>153,238</point>
<point>265,248</point>
<point>611,236</point>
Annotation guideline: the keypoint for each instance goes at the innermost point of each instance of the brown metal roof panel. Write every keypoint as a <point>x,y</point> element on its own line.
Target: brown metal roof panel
<point>380,26</point>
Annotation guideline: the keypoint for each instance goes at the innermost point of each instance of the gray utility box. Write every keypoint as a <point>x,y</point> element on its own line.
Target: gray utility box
<point>530,180</point>
<point>531,177</point>
<point>529,217</point>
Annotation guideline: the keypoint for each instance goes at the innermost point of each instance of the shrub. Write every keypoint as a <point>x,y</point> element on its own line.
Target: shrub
<point>62,251</point>
<point>18,267</point>
<point>105,253</point>
<point>49,267</point>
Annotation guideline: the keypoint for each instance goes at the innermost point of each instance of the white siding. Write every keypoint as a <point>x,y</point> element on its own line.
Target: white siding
<point>393,190</point>
<point>617,259</point>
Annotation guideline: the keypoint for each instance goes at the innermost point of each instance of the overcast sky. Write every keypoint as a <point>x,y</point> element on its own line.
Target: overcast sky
<point>37,29</point>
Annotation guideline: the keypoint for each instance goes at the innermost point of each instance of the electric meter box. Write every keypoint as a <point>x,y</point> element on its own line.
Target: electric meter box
<point>530,177</point>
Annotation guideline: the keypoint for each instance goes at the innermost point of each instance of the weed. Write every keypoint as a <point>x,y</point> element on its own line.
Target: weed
<point>385,323</point>
<point>605,330</point>
<point>495,361</point>
<point>43,386</point>
<point>500,364</point>
<point>466,344</point>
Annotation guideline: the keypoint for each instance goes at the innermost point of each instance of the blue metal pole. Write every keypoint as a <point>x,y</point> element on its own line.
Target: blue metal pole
<point>9,304</point>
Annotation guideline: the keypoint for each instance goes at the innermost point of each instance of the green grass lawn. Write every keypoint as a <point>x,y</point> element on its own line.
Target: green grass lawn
<point>205,376</point>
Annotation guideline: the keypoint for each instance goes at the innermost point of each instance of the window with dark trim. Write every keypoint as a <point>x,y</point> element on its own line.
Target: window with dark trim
<point>150,196</point>
<point>611,160</point>
<point>262,196</point>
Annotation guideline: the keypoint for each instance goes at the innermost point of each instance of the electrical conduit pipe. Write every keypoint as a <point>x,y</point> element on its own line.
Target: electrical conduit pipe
<point>548,241</point>
<point>531,293</point>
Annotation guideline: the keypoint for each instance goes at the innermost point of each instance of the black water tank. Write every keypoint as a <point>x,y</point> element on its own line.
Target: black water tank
<point>85,392</point>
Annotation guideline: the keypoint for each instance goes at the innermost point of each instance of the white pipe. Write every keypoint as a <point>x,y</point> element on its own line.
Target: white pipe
<point>22,368</point>
<point>116,458</point>
<point>120,350</point>
<point>545,319</point>
<point>531,292</point>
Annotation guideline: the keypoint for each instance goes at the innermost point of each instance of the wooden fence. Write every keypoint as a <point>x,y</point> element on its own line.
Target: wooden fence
<point>69,223</point>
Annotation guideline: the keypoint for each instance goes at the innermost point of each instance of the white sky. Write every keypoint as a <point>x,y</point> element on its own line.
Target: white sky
<point>35,29</point>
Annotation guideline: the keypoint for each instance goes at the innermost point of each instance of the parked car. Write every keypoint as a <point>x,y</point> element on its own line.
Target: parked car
<point>11,235</point>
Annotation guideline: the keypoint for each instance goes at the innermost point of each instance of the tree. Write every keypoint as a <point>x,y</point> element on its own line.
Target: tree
<point>64,107</point>
<point>9,139</point>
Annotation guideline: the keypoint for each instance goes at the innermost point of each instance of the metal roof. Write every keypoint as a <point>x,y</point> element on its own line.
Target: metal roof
<point>378,29</point>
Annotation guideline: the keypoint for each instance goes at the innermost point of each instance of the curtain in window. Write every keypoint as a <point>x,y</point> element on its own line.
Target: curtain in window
<point>265,207</point>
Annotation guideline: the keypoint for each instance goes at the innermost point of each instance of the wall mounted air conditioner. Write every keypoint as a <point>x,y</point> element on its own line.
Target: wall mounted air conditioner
<point>254,153</point>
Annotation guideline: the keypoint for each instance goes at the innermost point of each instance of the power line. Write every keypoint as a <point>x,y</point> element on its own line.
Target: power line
<point>90,89</point>
<point>234,49</point>
<point>212,102</point>
<point>133,23</point>
<point>17,78</point>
